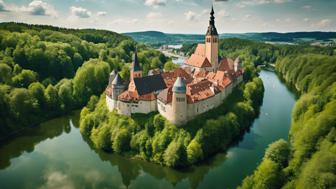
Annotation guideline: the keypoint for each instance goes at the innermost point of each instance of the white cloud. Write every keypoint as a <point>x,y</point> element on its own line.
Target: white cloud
<point>190,15</point>
<point>155,3</point>
<point>307,7</point>
<point>306,19</point>
<point>40,8</point>
<point>80,12</point>
<point>245,3</point>
<point>101,13</point>
<point>223,13</point>
<point>153,15</point>
<point>58,180</point>
<point>127,21</point>
<point>247,16</point>
<point>323,23</point>
<point>3,6</point>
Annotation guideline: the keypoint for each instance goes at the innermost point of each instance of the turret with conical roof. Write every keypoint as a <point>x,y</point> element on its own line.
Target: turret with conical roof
<point>112,76</point>
<point>179,102</point>
<point>211,42</point>
<point>179,86</point>
<point>136,69</point>
<point>118,87</point>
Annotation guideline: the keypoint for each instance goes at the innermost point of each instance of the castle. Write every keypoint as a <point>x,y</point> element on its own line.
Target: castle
<point>179,95</point>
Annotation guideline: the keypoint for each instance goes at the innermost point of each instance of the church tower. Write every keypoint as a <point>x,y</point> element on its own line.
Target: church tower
<point>179,102</point>
<point>136,70</point>
<point>211,42</point>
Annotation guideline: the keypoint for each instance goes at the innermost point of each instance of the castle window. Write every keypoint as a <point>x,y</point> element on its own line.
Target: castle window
<point>179,99</point>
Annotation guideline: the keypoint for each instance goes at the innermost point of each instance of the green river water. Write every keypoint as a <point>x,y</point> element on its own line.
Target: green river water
<point>55,155</point>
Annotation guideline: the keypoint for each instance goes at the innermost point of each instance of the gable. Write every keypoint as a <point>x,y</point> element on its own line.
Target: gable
<point>198,61</point>
<point>148,84</point>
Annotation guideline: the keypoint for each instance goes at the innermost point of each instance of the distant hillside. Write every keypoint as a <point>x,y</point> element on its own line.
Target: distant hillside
<point>157,38</point>
<point>90,35</point>
<point>285,37</point>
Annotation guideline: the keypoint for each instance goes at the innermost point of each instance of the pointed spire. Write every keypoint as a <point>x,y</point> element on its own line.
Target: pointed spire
<point>212,18</point>
<point>117,80</point>
<point>136,65</point>
<point>179,85</point>
<point>212,28</point>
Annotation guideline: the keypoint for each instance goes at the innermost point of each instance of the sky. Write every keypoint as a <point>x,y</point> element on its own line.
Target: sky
<point>176,16</point>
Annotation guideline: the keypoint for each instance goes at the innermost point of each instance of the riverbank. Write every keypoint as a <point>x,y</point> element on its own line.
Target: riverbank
<point>307,160</point>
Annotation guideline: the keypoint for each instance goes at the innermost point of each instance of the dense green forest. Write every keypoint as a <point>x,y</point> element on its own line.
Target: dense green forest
<point>260,53</point>
<point>308,160</point>
<point>47,71</point>
<point>153,138</point>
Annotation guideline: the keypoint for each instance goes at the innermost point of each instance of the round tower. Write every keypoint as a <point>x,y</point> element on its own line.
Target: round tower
<point>179,102</point>
<point>117,88</point>
<point>211,42</point>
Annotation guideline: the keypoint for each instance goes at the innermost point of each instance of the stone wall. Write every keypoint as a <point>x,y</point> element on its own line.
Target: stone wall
<point>111,104</point>
<point>166,110</point>
<point>128,108</point>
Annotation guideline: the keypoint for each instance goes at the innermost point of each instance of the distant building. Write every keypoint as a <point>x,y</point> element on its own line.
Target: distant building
<point>182,94</point>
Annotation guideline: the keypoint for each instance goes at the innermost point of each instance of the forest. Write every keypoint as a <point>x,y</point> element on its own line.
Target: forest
<point>308,159</point>
<point>47,71</point>
<point>260,53</point>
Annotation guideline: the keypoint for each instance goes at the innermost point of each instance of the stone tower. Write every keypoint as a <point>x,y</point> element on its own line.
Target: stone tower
<point>179,102</point>
<point>117,88</point>
<point>211,42</point>
<point>136,70</point>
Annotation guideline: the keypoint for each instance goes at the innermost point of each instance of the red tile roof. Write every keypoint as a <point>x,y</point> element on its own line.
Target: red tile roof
<point>170,77</point>
<point>130,96</point>
<point>200,50</point>
<point>200,91</point>
<point>198,61</point>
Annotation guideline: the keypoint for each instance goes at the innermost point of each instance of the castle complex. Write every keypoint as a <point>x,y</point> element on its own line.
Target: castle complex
<point>179,95</point>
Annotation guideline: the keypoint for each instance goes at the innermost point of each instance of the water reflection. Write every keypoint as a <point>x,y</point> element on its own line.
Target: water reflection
<point>26,140</point>
<point>131,169</point>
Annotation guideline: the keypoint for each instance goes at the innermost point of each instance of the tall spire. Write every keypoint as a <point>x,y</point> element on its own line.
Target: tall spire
<point>212,28</point>
<point>136,65</point>
<point>212,18</point>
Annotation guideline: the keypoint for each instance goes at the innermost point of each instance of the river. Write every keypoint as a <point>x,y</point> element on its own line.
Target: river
<point>55,155</point>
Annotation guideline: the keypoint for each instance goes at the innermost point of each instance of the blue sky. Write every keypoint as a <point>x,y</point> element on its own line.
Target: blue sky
<point>176,16</point>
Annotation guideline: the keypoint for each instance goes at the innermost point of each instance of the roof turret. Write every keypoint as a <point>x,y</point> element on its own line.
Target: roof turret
<point>179,86</point>
<point>113,73</point>
<point>117,80</point>
<point>112,76</point>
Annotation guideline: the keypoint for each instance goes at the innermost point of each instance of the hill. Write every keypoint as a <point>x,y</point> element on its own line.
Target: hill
<point>157,38</point>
